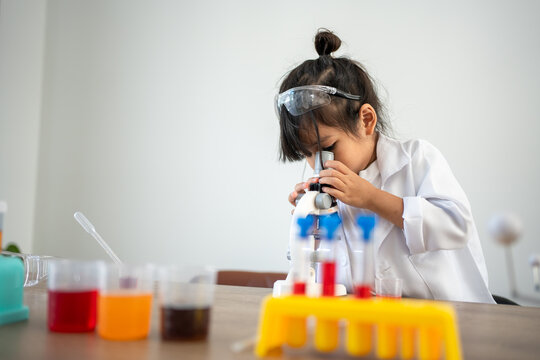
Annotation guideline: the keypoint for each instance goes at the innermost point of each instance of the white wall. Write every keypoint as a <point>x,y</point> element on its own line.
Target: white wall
<point>158,120</point>
<point>22,27</point>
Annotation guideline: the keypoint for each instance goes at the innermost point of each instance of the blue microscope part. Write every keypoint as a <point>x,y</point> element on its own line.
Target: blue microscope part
<point>305,225</point>
<point>367,224</point>
<point>329,223</point>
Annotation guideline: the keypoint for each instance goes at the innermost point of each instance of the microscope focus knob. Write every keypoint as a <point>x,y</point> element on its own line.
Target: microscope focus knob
<point>323,201</point>
<point>534,260</point>
<point>505,228</point>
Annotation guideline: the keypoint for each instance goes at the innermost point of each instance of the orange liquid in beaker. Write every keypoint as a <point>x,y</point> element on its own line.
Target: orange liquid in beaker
<point>124,316</point>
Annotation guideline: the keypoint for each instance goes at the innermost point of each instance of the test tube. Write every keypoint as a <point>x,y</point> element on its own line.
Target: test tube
<point>359,336</point>
<point>365,274</point>
<point>296,330</point>
<point>327,331</point>
<point>329,225</point>
<point>300,254</point>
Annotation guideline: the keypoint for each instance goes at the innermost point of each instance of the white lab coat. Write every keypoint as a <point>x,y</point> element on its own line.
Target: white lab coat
<point>438,253</point>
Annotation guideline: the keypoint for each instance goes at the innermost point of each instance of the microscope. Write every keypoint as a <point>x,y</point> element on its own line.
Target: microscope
<point>316,203</point>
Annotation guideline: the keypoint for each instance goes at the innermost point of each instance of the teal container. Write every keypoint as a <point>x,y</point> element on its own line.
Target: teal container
<point>11,290</point>
<point>11,283</point>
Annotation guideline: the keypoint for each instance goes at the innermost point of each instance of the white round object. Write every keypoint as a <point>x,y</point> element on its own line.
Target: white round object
<point>534,260</point>
<point>505,228</point>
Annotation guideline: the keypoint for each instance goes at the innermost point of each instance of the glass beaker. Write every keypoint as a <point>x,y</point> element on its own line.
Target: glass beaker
<point>73,291</point>
<point>186,298</point>
<point>125,302</point>
<point>388,287</point>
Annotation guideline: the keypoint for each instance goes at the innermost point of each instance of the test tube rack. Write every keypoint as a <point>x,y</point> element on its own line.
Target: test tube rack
<point>423,329</point>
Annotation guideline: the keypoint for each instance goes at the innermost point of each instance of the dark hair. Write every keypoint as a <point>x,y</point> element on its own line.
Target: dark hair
<point>342,73</point>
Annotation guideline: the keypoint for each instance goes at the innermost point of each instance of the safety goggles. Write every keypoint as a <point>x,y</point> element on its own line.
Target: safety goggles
<point>302,99</point>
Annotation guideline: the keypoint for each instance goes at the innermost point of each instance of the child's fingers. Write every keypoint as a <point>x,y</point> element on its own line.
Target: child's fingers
<point>292,197</point>
<point>334,192</point>
<point>332,173</point>
<point>338,165</point>
<point>334,182</point>
<point>301,187</point>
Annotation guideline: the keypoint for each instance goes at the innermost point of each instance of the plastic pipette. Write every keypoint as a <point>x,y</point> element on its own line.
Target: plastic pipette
<point>89,227</point>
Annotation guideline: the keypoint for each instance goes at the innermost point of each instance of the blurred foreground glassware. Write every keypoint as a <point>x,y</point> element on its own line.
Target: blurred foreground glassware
<point>35,266</point>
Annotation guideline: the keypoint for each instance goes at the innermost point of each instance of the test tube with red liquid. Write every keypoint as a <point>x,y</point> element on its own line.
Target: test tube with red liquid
<point>301,254</point>
<point>359,336</point>
<point>296,329</point>
<point>364,275</point>
<point>329,225</point>
<point>327,331</point>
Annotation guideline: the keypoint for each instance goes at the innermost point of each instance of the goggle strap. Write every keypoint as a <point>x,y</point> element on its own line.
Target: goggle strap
<point>347,95</point>
<point>318,138</point>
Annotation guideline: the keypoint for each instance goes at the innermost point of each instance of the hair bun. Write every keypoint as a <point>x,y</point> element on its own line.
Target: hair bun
<point>326,42</point>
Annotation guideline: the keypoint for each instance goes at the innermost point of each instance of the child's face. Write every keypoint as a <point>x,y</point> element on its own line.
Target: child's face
<point>354,152</point>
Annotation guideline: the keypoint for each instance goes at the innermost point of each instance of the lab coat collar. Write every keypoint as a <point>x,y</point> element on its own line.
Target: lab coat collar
<point>391,157</point>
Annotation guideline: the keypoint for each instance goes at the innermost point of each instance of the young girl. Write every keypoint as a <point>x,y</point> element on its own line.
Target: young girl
<point>426,233</point>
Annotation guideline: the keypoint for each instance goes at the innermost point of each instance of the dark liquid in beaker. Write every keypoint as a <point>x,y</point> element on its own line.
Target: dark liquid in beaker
<point>184,323</point>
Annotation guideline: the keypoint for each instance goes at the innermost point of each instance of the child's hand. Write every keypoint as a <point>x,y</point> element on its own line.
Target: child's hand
<point>346,186</point>
<point>300,188</point>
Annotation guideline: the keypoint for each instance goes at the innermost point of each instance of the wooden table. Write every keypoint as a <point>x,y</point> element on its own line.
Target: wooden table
<point>487,332</point>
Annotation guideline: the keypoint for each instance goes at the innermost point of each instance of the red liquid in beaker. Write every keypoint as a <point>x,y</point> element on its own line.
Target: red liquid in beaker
<point>72,311</point>
<point>328,278</point>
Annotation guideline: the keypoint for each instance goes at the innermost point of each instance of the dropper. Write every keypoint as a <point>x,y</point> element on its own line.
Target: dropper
<point>89,227</point>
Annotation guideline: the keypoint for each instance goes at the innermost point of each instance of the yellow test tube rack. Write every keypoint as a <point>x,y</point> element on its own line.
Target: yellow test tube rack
<point>419,328</point>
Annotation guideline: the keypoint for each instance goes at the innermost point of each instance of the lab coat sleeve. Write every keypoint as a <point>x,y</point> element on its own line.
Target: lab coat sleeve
<point>439,216</point>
